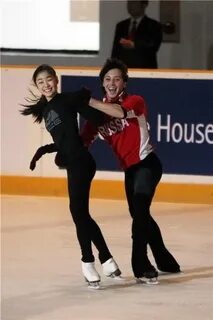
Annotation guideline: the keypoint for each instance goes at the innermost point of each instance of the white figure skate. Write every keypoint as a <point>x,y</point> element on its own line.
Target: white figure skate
<point>111,269</point>
<point>91,275</point>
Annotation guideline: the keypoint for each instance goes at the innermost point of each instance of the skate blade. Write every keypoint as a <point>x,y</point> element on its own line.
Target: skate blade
<point>117,278</point>
<point>115,275</point>
<point>93,284</point>
<point>151,281</point>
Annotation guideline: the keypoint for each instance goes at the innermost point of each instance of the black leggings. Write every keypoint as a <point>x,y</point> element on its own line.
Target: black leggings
<point>80,175</point>
<point>140,183</point>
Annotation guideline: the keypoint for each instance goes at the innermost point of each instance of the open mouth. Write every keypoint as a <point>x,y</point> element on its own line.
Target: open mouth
<point>112,91</point>
<point>47,91</point>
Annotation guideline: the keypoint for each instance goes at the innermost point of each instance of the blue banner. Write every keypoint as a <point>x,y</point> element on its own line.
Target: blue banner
<point>180,117</point>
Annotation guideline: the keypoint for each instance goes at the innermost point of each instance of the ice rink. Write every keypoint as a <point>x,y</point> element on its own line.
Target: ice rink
<point>41,267</point>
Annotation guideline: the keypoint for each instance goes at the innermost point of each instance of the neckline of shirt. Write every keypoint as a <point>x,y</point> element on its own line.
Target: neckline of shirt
<point>138,20</point>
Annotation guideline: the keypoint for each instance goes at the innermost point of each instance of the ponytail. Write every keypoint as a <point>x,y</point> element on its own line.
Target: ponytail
<point>36,110</point>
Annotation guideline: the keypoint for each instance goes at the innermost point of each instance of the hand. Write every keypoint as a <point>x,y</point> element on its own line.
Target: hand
<point>48,148</point>
<point>126,43</point>
<point>32,164</point>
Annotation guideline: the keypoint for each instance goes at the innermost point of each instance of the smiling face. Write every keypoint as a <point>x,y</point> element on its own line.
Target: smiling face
<point>47,84</point>
<point>113,84</point>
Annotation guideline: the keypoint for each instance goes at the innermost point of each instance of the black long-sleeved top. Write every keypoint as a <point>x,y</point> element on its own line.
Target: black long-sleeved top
<point>61,120</point>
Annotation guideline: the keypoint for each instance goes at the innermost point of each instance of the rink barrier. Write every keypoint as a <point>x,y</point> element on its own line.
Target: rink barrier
<point>106,189</point>
<point>192,176</point>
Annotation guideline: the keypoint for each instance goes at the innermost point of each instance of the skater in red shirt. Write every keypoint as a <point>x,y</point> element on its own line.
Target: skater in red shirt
<point>130,141</point>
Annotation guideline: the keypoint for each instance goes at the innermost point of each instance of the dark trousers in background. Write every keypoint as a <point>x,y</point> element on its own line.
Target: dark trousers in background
<point>80,175</point>
<point>140,184</point>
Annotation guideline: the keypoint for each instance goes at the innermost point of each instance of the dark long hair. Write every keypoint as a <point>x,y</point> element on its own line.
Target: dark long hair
<point>37,105</point>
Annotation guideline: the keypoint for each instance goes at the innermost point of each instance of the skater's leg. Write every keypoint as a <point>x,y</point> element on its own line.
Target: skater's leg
<point>87,228</point>
<point>78,188</point>
<point>79,181</point>
<point>140,235</point>
<point>140,182</point>
<point>109,265</point>
<point>163,258</point>
<point>140,261</point>
<point>99,242</point>
<point>78,195</point>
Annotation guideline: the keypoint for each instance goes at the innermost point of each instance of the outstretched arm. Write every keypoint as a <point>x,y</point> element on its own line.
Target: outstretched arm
<point>112,109</point>
<point>82,98</point>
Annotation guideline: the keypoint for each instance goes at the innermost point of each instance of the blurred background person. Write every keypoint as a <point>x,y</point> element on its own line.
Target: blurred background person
<point>138,38</point>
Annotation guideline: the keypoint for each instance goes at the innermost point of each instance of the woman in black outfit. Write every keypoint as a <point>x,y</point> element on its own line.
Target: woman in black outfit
<point>59,111</point>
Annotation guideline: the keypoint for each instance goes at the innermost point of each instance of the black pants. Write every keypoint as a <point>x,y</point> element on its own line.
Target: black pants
<point>140,183</point>
<point>80,175</point>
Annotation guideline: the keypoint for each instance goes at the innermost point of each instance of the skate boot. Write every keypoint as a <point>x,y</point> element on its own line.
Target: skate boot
<point>148,277</point>
<point>111,269</point>
<point>91,275</point>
